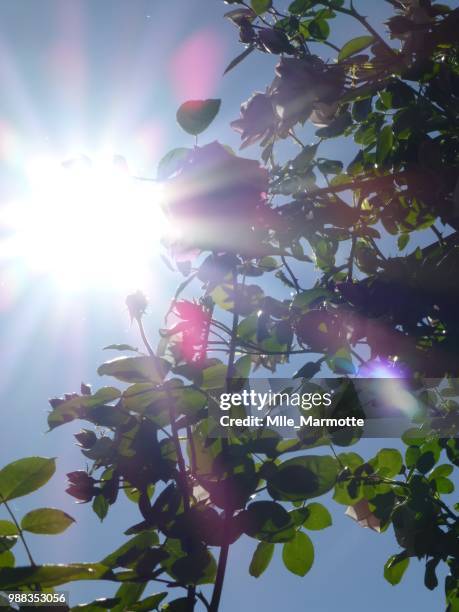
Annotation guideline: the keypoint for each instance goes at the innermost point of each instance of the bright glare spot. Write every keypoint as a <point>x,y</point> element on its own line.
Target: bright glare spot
<point>87,225</point>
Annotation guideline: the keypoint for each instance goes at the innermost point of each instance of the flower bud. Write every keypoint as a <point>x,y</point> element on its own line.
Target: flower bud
<point>86,438</point>
<point>137,304</point>
<point>81,486</point>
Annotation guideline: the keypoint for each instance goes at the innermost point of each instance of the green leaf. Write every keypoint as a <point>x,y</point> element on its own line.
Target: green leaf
<point>138,544</point>
<point>7,542</point>
<point>120,347</point>
<point>388,462</point>
<point>318,517</point>
<point>395,567</point>
<point>268,521</point>
<point>319,28</point>
<point>171,162</point>
<point>305,299</point>
<point>402,241</point>
<point>238,59</point>
<point>303,160</point>
<point>149,603</point>
<point>46,521</point>
<point>100,506</point>
<point>52,575</point>
<point>444,485</point>
<point>194,116</point>
<point>128,594</point>
<point>298,554</point>
<point>76,407</point>
<point>384,144</point>
<point>133,493</point>
<point>6,560</point>
<point>261,6</point>
<point>214,377</point>
<point>444,470</point>
<point>7,528</point>
<point>242,366</point>
<point>261,558</point>
<point>25,476</point>
<point>355,46</point>
<point>177,605</point>
<point>135,369</point>
<point>303,477</point>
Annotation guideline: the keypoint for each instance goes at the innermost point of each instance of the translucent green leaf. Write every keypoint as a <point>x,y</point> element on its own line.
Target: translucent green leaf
<point>445,469</point>
<point>355,46</point>
<point>304,300</point>
<point>261,559</point>
<point>7,528</point>
<point>214,377</point>
<point>100,506</point>
<point>171,162</point>
<point>76,407</point>
<point>135,369</point>
<point>298,554</point>
<point>46,521</point>
<point>388,462</point>
<point>444,485</point>
<point>402,241</point>
<point>261,6</point>
<point>52,575</point>
<point>242,366</point>
<point>6,560</point>
<point>384,144</point>
<point>394,568</point>
<point>25,476</point>
<point>134,546</point>
<point>128,594</point>
<point>149,603</point>
<point>194,116</point>
<point>318,517</point>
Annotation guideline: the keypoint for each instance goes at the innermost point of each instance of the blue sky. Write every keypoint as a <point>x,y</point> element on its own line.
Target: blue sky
<point>78,76</point>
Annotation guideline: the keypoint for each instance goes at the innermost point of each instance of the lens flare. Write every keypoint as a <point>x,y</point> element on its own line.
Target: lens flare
<point>87,224</point>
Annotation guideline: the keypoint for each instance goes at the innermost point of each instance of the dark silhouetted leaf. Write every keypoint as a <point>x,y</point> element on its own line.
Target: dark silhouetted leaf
<point>194,116</point>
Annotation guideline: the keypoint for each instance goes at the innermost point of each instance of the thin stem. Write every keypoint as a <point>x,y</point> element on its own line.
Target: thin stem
<point>377,249</point>
<point>357,356</point>
<point>351,258</point>
<point>224,549</point>
<point>341,464</point>
<point>292,276</point>
<point>20,532</point>
<point>361,19</point>
<point>144,338</point>
<point>203,599</point>
<point>437,234</point>
<point>295,138</point>
<point>182,475</point>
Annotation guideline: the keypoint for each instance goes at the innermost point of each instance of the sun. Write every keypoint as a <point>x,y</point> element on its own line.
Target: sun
<point>87,223</point>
